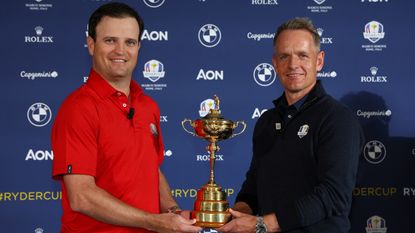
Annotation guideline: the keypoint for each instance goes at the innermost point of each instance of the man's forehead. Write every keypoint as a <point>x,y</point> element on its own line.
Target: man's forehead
<point>118,27</point>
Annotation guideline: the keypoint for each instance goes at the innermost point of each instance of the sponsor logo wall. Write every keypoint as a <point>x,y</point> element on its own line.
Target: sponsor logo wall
<point>190,51</point>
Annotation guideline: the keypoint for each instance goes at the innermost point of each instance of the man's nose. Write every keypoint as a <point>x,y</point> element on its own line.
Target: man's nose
<point>293,62</point>
<point>119,48</point>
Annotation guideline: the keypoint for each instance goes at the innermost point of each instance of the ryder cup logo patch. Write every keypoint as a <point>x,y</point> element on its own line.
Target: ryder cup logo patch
<point>303,131</point>
<point>209,35</point>
<point>39,114</point>
<point>153,130</point>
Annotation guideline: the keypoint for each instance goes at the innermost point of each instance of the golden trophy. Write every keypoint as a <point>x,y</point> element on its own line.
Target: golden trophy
<point>211,207</point>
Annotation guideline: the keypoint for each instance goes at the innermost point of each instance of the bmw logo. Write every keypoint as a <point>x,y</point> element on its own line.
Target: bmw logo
<point>153,3</point>
<point>264,74</point>
<point>374,152</point>
<point>39,114</point>
<point>209,35</point>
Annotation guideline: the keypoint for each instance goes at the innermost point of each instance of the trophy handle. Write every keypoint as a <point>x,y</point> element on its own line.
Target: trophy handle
<point>236,126</point>
<point>184,127</point>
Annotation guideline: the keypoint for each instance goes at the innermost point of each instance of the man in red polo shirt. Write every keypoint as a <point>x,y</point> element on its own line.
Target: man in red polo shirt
<point>107,142</point>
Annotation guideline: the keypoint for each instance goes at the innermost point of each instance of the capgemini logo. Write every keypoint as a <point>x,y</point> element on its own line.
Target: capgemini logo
<point>373,70</point>
<point>168,153</point>
<point>39,30</point>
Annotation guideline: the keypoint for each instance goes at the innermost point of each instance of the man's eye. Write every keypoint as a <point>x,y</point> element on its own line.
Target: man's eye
<point>131,43</point>
<point>109,41</point>
<point>303,55</point>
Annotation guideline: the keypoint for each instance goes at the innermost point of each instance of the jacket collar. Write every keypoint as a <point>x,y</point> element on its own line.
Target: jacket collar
<point>315,93</point>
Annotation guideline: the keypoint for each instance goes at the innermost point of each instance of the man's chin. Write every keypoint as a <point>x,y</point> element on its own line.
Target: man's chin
<point>121,74</point>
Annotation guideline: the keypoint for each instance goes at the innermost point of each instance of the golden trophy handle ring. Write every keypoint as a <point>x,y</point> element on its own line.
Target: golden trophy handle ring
<point>236,126</point>
<point>184,127</point>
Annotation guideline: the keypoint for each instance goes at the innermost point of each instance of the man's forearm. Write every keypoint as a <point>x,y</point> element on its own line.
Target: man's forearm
<point>242,207</point>
<point>167,202</point>
<point>85,197</point>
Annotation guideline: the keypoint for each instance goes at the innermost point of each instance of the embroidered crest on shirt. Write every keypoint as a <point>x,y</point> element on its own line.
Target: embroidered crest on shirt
<point>153,130</point>
<point>303,131</point>
<point>278,126</point>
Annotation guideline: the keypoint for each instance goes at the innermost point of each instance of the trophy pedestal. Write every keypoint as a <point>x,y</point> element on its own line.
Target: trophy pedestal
<point>211,207</point>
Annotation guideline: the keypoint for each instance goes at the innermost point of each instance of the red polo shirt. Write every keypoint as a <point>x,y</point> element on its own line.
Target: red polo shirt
<point>92,135</point>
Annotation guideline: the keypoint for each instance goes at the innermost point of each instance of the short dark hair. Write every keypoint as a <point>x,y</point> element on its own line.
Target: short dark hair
<point>299,24</point>
<point>115,10</point>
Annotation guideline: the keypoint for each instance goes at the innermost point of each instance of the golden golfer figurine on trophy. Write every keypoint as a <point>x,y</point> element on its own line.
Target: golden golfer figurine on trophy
<point>211,207</point>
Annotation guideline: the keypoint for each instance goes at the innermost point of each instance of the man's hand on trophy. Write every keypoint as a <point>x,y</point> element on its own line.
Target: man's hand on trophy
<point>175,223</point>
<point>241,223</point>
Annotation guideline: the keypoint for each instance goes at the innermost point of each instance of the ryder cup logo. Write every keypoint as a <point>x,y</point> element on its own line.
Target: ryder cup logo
<point>376,224</point>
<point>303,131</point>
<point>374,31</point>
<point>264,74</point>
<point>39,114</point>
<point>319,1</point>
<point>153,3</point>
<point>374,152</point>
<point>206,106</point>
<point>153,70</point>
<point>209,35</point>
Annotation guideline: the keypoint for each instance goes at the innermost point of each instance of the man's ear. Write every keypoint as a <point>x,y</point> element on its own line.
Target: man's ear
<point>320,61</point>
<point>274,63</point>
<point>91,45</point>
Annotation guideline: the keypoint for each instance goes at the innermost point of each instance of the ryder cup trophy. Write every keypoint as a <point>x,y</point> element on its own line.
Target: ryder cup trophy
<point>211,207</point>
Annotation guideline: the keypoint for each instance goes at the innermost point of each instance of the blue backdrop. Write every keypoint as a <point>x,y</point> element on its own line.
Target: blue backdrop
<point>207,47</point>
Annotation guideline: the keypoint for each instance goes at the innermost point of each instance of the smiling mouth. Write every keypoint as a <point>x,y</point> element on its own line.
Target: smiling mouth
<point>294,75</point>
<point>118,60</point>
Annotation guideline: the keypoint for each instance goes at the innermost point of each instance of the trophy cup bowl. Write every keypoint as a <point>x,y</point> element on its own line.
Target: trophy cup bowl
<point>211,206</point>
<point>213,129</point>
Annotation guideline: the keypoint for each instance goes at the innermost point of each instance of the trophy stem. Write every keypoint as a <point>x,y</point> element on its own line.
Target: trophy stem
<point>212,148</point>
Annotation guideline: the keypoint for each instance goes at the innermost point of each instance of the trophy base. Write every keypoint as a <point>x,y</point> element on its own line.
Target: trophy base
<point>211,207</point>
<point>210,219</point>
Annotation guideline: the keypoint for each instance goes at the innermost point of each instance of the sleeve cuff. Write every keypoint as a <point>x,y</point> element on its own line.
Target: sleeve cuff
<point>248,199</point>
<point>288,217</point>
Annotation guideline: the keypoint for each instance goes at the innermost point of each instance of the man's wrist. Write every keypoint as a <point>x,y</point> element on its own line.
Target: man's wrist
<point>260,226</point>
<point>271,222</point>
<point>174,209</point>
